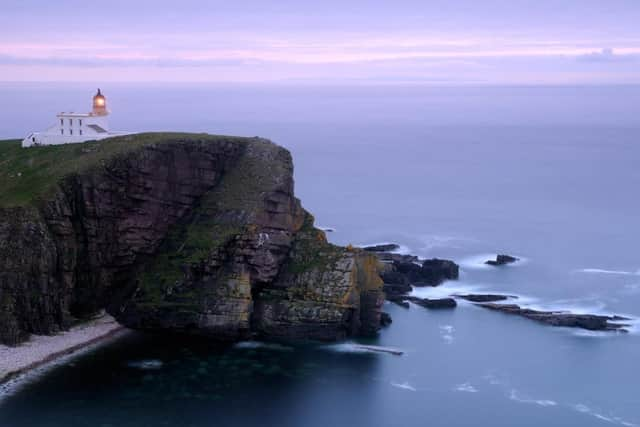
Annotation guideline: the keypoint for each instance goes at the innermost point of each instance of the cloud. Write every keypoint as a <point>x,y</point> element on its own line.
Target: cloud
<point>607,55</point>
<point>98,61</point>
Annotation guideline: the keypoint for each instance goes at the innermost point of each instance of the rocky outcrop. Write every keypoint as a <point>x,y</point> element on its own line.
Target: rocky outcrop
<point>384,247</point>
<point>188,233</point>
<point>502,260</point>
<point>433,302</point>
<point>590,322</point>
<point>431,272</point>
<point>484,297</point>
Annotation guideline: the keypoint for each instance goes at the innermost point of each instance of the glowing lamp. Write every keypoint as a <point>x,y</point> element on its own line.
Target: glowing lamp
<point>99,104</point>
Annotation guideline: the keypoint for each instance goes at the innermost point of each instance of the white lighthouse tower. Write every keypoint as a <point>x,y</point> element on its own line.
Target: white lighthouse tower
<point>76,127</point>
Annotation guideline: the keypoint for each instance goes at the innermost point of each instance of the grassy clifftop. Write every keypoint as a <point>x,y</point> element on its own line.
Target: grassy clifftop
<point>27,174</point>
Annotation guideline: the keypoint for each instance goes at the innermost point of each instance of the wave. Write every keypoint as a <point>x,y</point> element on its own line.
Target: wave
<point>478,262</point>
<point>261,344</point>
<point>442,241</point>
<point>447,289</point>
<point>405,386</point>
<point>580,407</point>
<point>604,271</point>
<point>356,348</point>
<point>466,388</point>
<point>446,332</point>
<point>513,395</point>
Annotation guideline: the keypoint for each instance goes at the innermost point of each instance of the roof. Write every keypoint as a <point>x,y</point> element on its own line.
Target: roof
<point>97,128</point>
<point>63,114</point>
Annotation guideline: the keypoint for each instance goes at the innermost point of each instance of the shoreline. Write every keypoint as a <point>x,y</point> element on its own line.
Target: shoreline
<point>40,350</point>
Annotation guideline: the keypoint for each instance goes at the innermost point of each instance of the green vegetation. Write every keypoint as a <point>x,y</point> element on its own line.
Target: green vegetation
<point>224,213</point>
<point>311,251</point>
<point>27,174</point>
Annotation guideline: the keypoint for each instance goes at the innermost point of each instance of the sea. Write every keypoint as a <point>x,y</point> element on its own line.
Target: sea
<point>550,174</point>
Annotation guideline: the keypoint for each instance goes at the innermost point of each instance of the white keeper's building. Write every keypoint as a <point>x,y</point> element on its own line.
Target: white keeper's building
<point>72,128</point>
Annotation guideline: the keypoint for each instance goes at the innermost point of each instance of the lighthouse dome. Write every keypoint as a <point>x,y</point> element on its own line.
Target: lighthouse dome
<point>99,104</point>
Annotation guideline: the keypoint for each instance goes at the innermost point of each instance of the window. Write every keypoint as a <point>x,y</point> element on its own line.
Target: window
<point>62,131</point>
<point>80,131</point>
<point>70,122</point>
<point>33,139</point>
<point>70,131</point>
<point>80,122</point>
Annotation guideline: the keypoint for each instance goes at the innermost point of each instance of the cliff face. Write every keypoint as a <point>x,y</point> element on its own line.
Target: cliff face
<point>193,234</point>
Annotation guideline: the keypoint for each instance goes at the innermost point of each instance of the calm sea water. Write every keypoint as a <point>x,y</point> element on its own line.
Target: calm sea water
<point>550,174</point>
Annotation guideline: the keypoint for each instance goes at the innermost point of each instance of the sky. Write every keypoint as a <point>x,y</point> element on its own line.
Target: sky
<point>329,41</point>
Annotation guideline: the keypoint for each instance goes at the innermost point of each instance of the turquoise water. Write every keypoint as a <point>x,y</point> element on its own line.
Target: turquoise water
<point>547,174</point>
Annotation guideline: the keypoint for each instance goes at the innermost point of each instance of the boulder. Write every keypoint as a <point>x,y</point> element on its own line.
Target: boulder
<point>435,271</point>
<point>395,278</point>
<point>400,300</point>
<point>396,289</point>
<point>502,260</point>
<point>386,247</point>
<point>592,322</point>
<point>385,319</point>
<point>433,303</point>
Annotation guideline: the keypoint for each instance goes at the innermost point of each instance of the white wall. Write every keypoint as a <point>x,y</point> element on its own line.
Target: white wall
<point>61,131</point>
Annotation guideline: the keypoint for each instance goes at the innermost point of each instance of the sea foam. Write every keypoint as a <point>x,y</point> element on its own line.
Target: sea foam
<point>604,271</point>
<point>405,386</point>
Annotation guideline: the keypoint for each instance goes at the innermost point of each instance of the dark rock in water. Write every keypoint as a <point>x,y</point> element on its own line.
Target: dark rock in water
<point>387,247</point>
<point>396,289</point>
<point>484,297</point>
<point>400,300</point>
<point>385,319</point>
<point>502,260</point>
<point>432,272</point>
<point>590,322</point>
<point>435,271</point>
<point>392,257</point>
<point>410,270</point>
<point>618,318</point>
<point>399,277</point>
<point>433,303</point>
<point>186,233</point>
<point>395,278</point>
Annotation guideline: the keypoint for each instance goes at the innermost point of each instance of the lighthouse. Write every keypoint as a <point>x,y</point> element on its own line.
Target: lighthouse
<point>71,128</point>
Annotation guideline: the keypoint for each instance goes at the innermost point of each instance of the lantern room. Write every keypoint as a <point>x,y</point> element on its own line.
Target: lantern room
<point>99,104</point>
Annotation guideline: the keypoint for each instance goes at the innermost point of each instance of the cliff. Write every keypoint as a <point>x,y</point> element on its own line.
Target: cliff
<point>190,233</point>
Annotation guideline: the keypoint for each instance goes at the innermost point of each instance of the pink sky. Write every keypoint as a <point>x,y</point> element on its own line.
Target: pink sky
<point>497,44</point>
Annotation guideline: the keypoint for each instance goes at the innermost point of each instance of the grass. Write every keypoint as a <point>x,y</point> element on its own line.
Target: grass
<point>311,251</point>
<point>223,213</point>
<point>29,174</point>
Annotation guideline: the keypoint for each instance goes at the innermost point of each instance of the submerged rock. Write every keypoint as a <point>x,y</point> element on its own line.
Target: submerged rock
<point>400,300</point>
<point>433,303</point>
<point>502,260</point>
<point>590,322</point>
<point>385,319</point>
<point>484,297</point>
